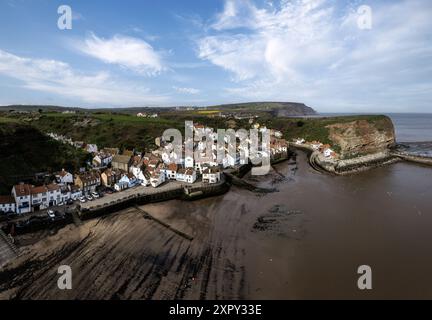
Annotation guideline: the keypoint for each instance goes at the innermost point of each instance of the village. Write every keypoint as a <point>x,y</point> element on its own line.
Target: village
<point>113,171</point>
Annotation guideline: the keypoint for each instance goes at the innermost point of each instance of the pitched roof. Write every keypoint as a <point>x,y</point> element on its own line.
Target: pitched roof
<point>121,159</point>
<point>53,187</point>
<point>37,190</point>
<point>172,167</point>
<point>22,189</point>
<point>6,199</point>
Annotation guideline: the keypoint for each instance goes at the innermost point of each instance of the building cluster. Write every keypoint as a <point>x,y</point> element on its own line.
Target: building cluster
<point>119,171</point>
<point>325,149</point>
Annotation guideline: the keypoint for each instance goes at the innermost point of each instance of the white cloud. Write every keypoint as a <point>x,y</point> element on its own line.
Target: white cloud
<point>186,90</point>
<point>306,50</point>
<point>59,78</point>
<point>131,53</point>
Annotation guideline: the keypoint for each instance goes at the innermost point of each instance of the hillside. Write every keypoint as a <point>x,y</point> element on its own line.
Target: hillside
<point>281,109</point>
<point>278,109</point>
<point>24,151</point>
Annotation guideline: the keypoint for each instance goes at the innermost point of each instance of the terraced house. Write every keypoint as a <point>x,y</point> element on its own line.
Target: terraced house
<point>88,181</point>
<point>7,204</point>
<point>22,196</point>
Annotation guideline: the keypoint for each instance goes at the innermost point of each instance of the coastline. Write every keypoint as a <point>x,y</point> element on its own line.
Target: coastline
<point>357,164</point>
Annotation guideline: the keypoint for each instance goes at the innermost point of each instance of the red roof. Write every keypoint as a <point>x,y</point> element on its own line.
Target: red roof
<point>22,190</point>
<point>6,199</point>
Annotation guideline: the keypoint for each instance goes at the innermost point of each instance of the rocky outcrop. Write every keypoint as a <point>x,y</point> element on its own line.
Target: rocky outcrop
<point>363,136</point>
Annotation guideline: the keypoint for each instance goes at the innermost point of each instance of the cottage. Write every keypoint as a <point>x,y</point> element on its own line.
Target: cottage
<point>190,175</point>
<point>64,177</point>
<point>316,145</point>
<point>102,160</point>
<point>75,192</point>
<point>110,176</point>
<point>22,196</point>
<point>211,175</point>
<point>54,194</point>
<point>88,181</point>
<point>187,175</point>
<point>171,171</point>
<point>91,148</point>
<point>39,198</point>
<point>7,204</point>
<point>329,153</point>
<point>121,162</point>
<point>157,178</point>
<point>153,163</point>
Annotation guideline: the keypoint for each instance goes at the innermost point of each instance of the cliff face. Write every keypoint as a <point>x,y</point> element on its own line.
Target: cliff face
<point>363,136</point>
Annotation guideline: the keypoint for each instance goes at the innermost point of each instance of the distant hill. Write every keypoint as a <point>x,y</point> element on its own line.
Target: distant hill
<point>279,109</point>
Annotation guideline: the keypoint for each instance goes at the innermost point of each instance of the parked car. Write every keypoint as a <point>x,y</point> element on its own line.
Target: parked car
<point>60,204</point>
<point>82,199</point>
<point>69,202</point>
<point>89,197</point>
<point>51,214</point>
<point>94,195</point>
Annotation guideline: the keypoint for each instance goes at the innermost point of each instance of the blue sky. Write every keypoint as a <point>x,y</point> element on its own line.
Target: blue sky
<point>164,53</point>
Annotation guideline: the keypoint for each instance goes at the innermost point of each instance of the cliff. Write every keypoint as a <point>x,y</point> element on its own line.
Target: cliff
<point>362,136</point>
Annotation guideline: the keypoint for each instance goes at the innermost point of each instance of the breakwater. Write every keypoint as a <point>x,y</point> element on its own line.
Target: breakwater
<point>347,166</point>
<point>413,158</point>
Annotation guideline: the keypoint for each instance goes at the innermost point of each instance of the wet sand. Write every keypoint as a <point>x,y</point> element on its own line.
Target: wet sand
<point>304,241</point>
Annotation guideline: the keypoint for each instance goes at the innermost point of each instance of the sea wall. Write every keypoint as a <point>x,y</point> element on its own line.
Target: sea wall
<point>349,166</point>
<point>186,193</point>
<point>413,158</point>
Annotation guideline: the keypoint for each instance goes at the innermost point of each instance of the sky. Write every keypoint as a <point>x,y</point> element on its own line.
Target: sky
<point>333,55</point>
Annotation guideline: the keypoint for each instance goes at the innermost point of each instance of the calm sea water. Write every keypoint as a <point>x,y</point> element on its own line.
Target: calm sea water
<point>412,127</point>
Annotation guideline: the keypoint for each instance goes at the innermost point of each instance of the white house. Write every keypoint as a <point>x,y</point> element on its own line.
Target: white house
<point>186,175</point>
<point>328,153</point>
<point>189,162</point>
<point>39,198</point>
<point>54,194</point>
<point>190,175</point>
<point>102,160</point>
<point>22,196</point>
<point>64,177</point>
<point>316,145</point>
<point>299,141</point>
<point>157,178</point>
<point>127,181</point>
<point>91,148</point>
<point>138,173</point>
<point>75,192</point>
<point>7,204</point>
<point>171,171</point>
<point>211,175</point>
